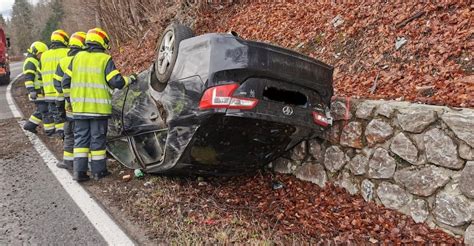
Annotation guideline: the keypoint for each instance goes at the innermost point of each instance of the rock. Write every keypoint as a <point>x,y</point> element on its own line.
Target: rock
<point>452,209</point>
<point>312,172</point>
<point>282,165</point>
<point>351,135</point>
<point>377,131</point>
<point>364,111</point>
<point>418,210</point>
<point>462,125</point>
<point>333,133</point>
<point>316,150</point>
<point>334,159</point>
<point>465,151</point>
<point>358,164</point>
<point>384,110</point>
<point>404,147</point>
<point>337,21</point>
<point>441,150</point>
<point>339,111</point>
<point>392,196</point>
<point>367,190</point>
<point>469,236</point>
<point>466,182</point>
<point>400,42</point>
<point>426,91</point>
<point>381,165</point>
<point>345,181</point>
<point>299,152</point>
<point>415,120</point>
<point>422,181</point>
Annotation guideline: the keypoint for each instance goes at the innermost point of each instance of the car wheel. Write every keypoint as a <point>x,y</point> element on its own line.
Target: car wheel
<point>167,52</point>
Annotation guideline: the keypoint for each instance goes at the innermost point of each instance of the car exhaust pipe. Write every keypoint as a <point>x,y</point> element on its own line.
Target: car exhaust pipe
<point>233,33</point>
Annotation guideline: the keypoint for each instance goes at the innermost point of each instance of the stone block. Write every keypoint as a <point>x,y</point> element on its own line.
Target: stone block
<point>334,159</point>
<point>404,147</point>
<point>316,150</point>
<point>365,109</point>
<point>462,124</point>
<point>469,235</point>
<point>377,131</point>
<point>441,150</point>
<point>422,181</point>
<point>282,165</point>
<point>452,209</point>
<point>465,151</point>
<point>367,190</point>
<point>415,120</point>
<point>466,182</point>
<point>384,110</point>
<point>298,153</point>
<point>358,164</point>
<point>339,111</point>
<point>381,165</point>
<point>312,172</point>
<point>418,210</point>
<point>345,181</point>
<point>393,196</point>
<point>351,135</point>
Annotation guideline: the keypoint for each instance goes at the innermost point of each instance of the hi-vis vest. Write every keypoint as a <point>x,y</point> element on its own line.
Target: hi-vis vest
<point>64,64</point>
<point>90,94</point>
<point>49,63</point>
<point>37,84</point>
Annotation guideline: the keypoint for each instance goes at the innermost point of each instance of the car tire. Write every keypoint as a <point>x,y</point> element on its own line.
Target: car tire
<point>167,51</point>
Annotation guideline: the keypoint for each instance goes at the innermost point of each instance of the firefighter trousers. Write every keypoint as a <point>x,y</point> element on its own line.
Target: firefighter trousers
<point>48,118</point>
<point>90,136</point>
<point>68,153</point>
<point>59,116</point>
<point>37,117</point>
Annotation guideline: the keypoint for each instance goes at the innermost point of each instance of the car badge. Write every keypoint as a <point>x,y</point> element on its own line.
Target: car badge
<point>252,93</point>
<point>287,110</point>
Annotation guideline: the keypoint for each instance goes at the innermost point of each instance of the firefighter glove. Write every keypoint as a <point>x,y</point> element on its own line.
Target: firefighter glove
<point>33,95</point>
<point>133,79</point>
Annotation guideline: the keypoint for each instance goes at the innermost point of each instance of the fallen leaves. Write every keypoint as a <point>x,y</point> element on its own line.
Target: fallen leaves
<point>438,51</point>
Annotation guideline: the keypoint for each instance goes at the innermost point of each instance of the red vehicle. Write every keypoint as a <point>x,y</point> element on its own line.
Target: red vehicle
<point>4,62</point>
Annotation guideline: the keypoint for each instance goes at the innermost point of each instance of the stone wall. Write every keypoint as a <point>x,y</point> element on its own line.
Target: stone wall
<point>417,159</point>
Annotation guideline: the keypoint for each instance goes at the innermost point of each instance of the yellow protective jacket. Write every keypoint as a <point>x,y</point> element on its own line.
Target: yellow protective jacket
<point>90,79</point>
<point>31,71</point>
<point>49,62</point>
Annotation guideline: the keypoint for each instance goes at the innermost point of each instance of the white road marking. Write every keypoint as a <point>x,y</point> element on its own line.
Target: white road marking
<point>102,222</point>
<point>11,102</point>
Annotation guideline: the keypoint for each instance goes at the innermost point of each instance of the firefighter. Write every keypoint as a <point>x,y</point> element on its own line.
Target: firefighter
<point>54,119</point>
<point>31,70</point>
<point>90,77</point>
<point>76,44</point>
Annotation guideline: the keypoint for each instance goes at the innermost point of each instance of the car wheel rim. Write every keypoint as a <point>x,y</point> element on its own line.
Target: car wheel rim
<point>165,53</point>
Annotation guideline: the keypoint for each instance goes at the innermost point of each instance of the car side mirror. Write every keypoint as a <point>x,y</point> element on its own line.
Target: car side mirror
<point>8,42</point>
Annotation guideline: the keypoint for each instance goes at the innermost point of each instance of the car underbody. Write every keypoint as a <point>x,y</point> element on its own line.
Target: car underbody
<point>229,106</point>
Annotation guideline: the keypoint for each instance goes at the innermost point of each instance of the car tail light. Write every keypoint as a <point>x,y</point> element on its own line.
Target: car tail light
<point>221,97</point>
<point>320,119</point>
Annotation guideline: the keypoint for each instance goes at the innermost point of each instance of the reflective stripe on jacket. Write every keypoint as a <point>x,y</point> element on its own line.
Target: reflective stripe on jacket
<point>49,62</point>
<point>58,76</point>
<point>31,70</point>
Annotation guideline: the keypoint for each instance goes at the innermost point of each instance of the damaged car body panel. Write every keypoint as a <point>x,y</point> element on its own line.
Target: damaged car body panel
<point>229,107</point>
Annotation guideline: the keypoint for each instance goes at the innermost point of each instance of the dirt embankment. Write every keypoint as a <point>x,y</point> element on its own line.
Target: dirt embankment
<point>245,209</point>
<point>417,51</point>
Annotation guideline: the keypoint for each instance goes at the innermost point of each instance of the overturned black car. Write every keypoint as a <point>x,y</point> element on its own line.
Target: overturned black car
<point>218,104</point>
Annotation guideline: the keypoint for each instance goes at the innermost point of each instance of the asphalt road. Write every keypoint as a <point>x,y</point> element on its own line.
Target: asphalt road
<point>34,207</point>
